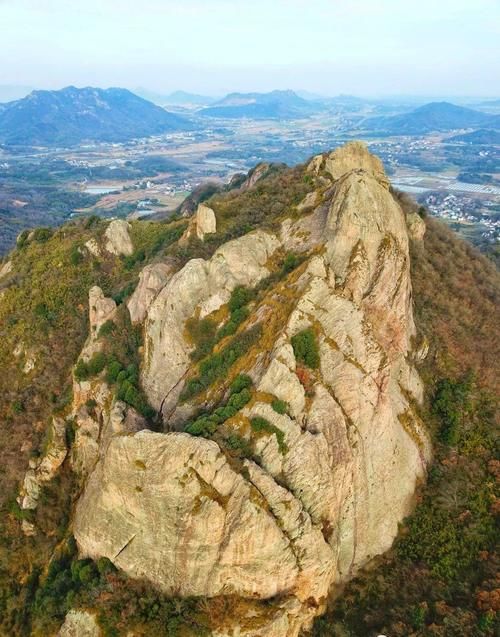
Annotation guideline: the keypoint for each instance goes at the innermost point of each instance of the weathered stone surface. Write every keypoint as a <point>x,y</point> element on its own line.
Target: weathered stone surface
<point>171,509</point>
<point>43,469</point>
<point>203,286</point>
<point>29,364</point>
<point>93,247</point>
<point>117,236</point>
<point>101,309</point>
<point>97,415</point>
<point>6,269</point>
<point>355,156</point>
<point>416,226</point>
<point>309,201</point>
<point>79,623</point>
<point>326,497</point>
<point>206,222</point>
<point>151,280</point>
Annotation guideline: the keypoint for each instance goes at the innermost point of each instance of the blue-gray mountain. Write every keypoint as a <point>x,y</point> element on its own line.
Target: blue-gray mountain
<point>436,116</point>
<point>478,137</point>
<point>73,116</point>
<point>273,105</point>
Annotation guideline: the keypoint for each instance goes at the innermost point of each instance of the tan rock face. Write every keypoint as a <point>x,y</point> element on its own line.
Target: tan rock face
<point>101,309</point>
<point>202,285</point>
<point>205,221</point>
<point>416,226</point>
<point>79,623</point>
<point>170,508</point>
<point>93,247</point>
<point>194,525</point>
<point>97,415</point>
<point>152,279</point>
<point>118,239</point>
<point>6,269</point>
<point>43,469</point>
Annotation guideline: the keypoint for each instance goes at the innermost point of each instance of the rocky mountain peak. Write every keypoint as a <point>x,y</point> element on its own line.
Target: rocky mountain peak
<point>308,369</point>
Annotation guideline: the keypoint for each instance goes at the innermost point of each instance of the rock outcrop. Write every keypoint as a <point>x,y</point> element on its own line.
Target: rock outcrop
<point>202,286</point>
<point>152,279</point>
<point>96,414</point>
<point>6,269</point>
<point>329,479</point>
<point>43,469</point>
<point>79,623</point>
<point>118,239</point>
<point>101,309</point>
<point>205,221</point>
<point>202,223</point>
<point>416,226</point>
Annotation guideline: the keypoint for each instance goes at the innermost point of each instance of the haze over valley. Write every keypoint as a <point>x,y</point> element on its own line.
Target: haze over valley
<point>56,165</point>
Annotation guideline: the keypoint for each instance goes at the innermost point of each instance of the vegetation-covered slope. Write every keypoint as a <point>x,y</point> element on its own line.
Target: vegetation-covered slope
<point>440,577</point>
<point>73,115</point>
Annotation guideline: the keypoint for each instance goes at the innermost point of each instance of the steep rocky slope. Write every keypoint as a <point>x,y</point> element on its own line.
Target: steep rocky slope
<point>324,484</point>
<point>247,427</point>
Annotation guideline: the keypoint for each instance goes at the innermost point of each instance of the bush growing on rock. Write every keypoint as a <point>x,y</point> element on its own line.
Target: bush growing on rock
<point>85,370</point>
<point>242,381</point>
<point>279,406</point>
<point>305,348</point>
<point>261,425</point>
<point>218,365</point>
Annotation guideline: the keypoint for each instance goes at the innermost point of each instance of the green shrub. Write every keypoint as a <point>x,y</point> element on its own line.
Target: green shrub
<point>42,234</point>
<point>124,293</point>
<point>137,257</point>
<point>107,328</point>
<point>91,221</point>
<point>218,365</point>
<point>240,296</point>
<point>18,406</point>
<point>207,424</point>
<point>239,444</point>
<point>97,363</point>
<point>290,263</point>
<point>22,239</point>
<point>279,406</point>
<point>261,425</point>
<point>75,256</point>
<point>70,432</point>
<point>305,348</point>
<point>85,370</point>
<point>240,399</point>
<point>242,381</point>
<point>450,404</point>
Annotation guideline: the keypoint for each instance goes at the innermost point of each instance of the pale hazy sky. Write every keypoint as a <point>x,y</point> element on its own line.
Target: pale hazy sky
<point>366,47</point>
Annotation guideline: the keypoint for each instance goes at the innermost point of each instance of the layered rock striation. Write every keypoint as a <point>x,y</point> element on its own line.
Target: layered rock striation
<point>325,483</point>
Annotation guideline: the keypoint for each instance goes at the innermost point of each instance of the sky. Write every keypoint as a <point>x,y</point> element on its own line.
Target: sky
<point>361,47</point>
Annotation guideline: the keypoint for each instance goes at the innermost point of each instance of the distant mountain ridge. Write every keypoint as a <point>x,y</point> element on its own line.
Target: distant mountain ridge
<point>73,116</point>
<point>478,137</point>
<point>273,105</point>
<point>176,98</point>
<point>435,116</point>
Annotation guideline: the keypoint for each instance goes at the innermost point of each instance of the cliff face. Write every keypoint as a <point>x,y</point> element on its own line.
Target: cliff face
<point>333,446</point>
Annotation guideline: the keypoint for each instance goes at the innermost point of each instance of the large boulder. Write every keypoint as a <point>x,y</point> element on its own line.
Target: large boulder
<point>206,222</point>
<point>79,623</point>
<point>118,239</point>
<point>101,309</point>
<point>151,280</point>
<point>44,468</point>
